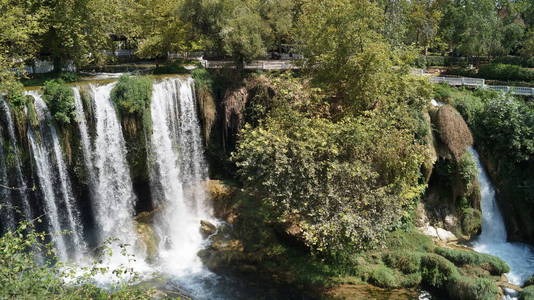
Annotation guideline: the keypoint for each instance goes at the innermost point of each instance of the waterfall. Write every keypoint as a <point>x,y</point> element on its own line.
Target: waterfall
<point>61,210</point>
<point>113,198</point>
<point>492,240</point>
<point>20,182</point>
<point>178,173</point>
<point>7,220</point>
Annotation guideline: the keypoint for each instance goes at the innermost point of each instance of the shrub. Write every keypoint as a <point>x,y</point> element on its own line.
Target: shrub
<point>403,260</point>
<point>23,277</point>
<point>132,94</point>
<point>347,182</point>
<point>69,77</point>
<point>529,281</point>
<point>465,288</point>
<point>15,95</point>
<point>505,72</point>
<point>383,276</point>
<point>409,241</point>
<point>527,293</point>
<point>202,78</point>
<point>60,100</point>
<point>172,68</point>
<point>436,270</point>
<point>488,262</point>
<point>470,221</point>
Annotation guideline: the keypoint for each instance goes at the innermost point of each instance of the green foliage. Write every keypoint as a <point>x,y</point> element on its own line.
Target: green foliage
<point>465,288</point>
<point>436,270</point>
<point>440,61</point>
<point>404,260</point>
<point>60,100</point>
<point>132,94</point>
<point>15,96</point>
<point>21,22</point>
<point>527,293</point>
<point>488,262</point>
<point>526,62</point>
<point>172,68</point>
<point>23,277</point>
<point>202,78</point>
<point>467,170</point>
<point>505,72</point>
<point>69,77</point>
<point>529,281</point>
<point>471,220</point>
<point>327,175</point>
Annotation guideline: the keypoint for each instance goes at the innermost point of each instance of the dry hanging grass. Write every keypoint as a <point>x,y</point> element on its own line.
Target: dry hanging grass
<point>454,132</point>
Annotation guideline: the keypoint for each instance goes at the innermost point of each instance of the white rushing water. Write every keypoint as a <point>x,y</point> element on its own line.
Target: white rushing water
<point>114,200</point>
<point>21,187</point>
<point>61,211</point>
<point>178,174</point>
<point>492,240</point>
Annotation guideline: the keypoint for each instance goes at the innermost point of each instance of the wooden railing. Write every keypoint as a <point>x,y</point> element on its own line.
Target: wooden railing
<point>476,82</point>
<point>255,65</point>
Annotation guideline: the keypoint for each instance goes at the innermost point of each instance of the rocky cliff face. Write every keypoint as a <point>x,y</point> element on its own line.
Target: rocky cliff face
<point>452,200</point>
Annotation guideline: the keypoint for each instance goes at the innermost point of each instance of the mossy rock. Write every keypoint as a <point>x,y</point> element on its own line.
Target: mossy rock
<point>492,264</point>
<point>529,282</point>
<point>465,288</point>
<point>471,221</point>
<point>527,293</point>
<point>148,240</point>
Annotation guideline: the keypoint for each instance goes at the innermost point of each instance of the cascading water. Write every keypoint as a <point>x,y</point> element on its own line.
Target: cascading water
<point>7,220</point>
<point>113,197</point>
<point>492,240</point>
<point>20,183</point>
<point>178,175</point>
<point>61,211</point>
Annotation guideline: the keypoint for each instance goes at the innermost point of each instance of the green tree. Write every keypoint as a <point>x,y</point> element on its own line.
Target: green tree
<point>345,51</point>
<point>344,183</point>
<point>424,17</point>
<point>21,23</point>
<point>472,27</point>
<point>159,29</point>
<point>79,30</point>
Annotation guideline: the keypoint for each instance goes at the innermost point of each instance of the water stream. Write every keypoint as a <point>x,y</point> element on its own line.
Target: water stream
<point>493,239</point>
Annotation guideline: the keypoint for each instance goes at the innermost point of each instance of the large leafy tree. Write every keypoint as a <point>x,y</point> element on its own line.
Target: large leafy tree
<point>472,27</point>
<point>158,28</point>
<point>345,51</point>
<point>344,183</point>
<point>79,30</point>
<point>21,24</point>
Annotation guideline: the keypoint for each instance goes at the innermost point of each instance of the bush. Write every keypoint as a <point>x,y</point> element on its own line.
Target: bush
<point>23,277</point>
<point>69,76</point>
<point>529,281</point>
<point>202,78</point>
<point>172,68</point>
<point>515,60</point>
<point>343,180</point>
<point>60,100</point>
<point>436,270</point>
<point>470,221</point>
<point>438,61</point>
<point>488,262</point>
<point>15,95</point>
<point>132,94</point>
<point>465,288</point>
<point>527,293</point>
<point>403,260</point>
<point>505,72</point>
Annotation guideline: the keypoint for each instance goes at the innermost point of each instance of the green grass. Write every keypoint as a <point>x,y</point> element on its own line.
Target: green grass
<point>489,263</point>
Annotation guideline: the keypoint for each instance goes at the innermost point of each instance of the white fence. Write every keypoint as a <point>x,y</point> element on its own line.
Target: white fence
<point>476,82</point>
<point>259,64</point>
